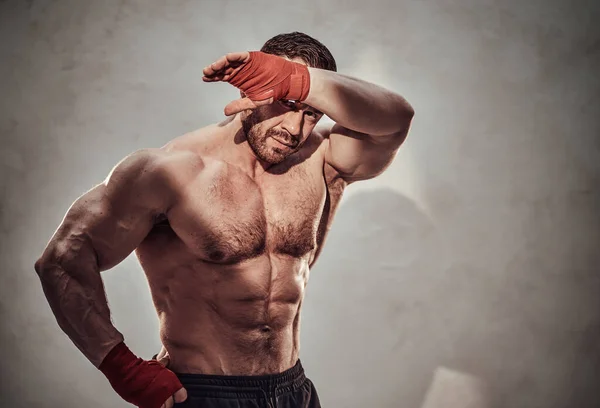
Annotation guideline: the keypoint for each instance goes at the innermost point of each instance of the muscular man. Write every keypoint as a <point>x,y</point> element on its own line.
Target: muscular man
<point>226,222</point>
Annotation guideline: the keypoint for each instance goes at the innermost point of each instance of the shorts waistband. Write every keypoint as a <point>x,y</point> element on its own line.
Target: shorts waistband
<point>244,386</point>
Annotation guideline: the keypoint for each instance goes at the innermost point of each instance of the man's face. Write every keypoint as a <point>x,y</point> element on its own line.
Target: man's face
<point>278,130</point>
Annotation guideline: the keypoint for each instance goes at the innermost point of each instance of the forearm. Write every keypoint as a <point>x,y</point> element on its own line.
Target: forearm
<point>78,301</point>
<point>358,105</point>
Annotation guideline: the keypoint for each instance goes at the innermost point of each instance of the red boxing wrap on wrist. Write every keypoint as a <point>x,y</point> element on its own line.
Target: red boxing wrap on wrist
<point>145,384</point>
<point>264,76</point>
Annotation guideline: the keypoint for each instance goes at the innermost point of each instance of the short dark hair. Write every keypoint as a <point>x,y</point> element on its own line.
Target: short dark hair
<point>300,45</point>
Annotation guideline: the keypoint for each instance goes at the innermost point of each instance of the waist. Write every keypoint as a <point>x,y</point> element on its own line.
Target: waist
<point>241,386</point>
<point>220,348</point>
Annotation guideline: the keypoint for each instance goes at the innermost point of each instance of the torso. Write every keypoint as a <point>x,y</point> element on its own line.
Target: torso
<point>229,262</point>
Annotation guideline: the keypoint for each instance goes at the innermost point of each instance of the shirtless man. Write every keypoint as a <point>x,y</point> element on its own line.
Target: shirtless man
<point>226,222</point>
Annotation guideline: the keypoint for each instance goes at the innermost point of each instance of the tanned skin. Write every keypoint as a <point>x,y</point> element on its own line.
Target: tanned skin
<point>226,222</point>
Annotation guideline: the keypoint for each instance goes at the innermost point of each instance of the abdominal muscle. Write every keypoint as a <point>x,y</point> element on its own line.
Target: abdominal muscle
<point>240,319</point>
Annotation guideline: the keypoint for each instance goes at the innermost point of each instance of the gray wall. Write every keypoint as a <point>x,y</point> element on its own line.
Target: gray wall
<point>476,253</point>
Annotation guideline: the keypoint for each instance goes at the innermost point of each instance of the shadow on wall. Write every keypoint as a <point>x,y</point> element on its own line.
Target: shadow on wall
<point>401,318</point>
<point>393,313</point>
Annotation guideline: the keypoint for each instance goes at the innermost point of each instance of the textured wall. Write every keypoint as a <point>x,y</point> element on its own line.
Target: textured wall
<point>476,253</point>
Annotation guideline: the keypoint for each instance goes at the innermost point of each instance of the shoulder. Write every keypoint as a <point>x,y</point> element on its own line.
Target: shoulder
<point>319,139</point>
<point>321,133</point>
<point>153,164</point>
<point>152,176</point>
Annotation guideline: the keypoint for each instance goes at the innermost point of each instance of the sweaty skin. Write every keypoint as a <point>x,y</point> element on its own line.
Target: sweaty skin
<point>225,231</point>
<point>229,263</point>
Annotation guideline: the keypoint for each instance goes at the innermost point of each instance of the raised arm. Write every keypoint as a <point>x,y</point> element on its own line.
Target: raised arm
<point>371,123</point>
<point>101,228</point>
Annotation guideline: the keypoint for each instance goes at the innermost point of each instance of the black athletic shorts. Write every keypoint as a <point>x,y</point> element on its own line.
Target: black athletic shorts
<point>289,389</point>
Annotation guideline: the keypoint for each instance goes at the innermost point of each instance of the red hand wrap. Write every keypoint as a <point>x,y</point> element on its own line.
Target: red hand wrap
<point>265,76</point>
<point>145,384</point>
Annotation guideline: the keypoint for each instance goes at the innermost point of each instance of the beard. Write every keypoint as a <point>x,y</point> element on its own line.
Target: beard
<point>258,139</point>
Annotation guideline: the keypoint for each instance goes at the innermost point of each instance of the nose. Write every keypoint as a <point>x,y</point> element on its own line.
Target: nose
<point>292,122</point>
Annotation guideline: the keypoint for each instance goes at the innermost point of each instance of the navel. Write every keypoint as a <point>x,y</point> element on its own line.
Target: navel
<point>266,329</point>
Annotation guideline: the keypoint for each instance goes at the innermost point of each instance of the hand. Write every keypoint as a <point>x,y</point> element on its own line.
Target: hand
<point>181,394</point>
<point>263,78</point>
<point>222,70</point>
<point>224,67</point>
<point>145,384</point>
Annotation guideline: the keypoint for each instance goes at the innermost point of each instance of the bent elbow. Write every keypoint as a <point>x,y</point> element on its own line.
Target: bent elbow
<point>405,122</point>
<point>410,110</point>
<point>53,256</point>
<point>38,266</point>
<point>43,265</point>
<point>408,115</point>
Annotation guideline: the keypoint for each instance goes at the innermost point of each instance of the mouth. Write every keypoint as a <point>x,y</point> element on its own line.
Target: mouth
<point>291,145</point>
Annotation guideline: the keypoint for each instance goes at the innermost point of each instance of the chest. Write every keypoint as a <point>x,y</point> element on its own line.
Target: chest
<point>227,217</point>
